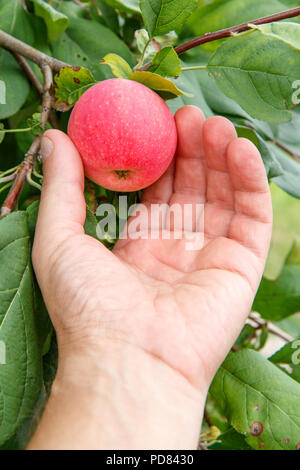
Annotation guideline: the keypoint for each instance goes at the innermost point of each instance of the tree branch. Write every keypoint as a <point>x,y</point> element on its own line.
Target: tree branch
<point>17,187</point>
<point>225,33</point>
<point>272,329</point>
<point>25,170</point>
<point>46,102</point>
<point>29,73</point>
<point>36,83</point>
<point>15,45</point>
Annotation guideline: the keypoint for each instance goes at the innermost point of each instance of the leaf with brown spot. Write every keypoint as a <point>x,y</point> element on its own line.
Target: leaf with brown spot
<point>70,84</point>
<point>259,400</point>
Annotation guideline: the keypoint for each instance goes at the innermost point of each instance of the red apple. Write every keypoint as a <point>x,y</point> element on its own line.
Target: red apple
<point>125,134</point>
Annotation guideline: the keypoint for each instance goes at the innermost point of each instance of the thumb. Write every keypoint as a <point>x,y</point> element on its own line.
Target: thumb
<point>62,208</point>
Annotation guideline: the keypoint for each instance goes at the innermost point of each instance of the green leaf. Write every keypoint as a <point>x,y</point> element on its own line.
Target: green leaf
<point>278,299</point>
<point>164,87</point>
<point>91,223</point>
<point>290,325</point>
<point>188,81</point>
<point>20,376</point>
<point>252,338</point>
<point>294,254</point>
<point>2,134</point>
<point>288,354</point>
<point>129,6</point>
<point>260,401</point>
<point>286,32</point>
<point>43,323</point>
<point>119,67</point>
<point>257,70</point>
<point>288,133</point>
<point>109,15</point>
<point>55,21</point>
<point>218,102</point>
<point>24,139</point>
<point>130,26</point>
<point>14,84</point>
<point>162,16</point>
<point>70,84</point>
<point>166,63</point>
<point>272,166</point>
<point>71,9</point>
<point>290,180</point>
<point>142,39</point>
<point>148,48</point>
<point>36,123</point>
<point>80,46</point>
<point>230,440</point>
<point>50,361</point>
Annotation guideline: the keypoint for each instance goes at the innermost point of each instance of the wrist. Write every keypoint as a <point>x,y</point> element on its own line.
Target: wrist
<point>129,399</point>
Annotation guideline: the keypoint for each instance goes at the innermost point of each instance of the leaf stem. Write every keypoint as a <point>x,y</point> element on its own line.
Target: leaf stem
<point>31,181</point>
<point>12,131</point>
<point>11,170</point>
<point>8,178</point>
<point>141,61</point>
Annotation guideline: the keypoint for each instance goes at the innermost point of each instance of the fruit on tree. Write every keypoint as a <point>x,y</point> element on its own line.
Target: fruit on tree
<point>125,134</point>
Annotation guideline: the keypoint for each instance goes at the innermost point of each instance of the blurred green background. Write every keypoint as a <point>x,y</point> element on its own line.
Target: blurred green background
<point>286,229</point>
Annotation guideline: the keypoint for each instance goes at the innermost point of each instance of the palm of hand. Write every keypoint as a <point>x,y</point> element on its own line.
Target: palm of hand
<point>184,307</point>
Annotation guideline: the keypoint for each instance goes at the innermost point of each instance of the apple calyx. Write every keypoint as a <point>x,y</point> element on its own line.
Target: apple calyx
<point>122,174</point>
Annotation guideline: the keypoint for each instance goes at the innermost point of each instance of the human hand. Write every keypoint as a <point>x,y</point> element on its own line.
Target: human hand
<point>173,313</point>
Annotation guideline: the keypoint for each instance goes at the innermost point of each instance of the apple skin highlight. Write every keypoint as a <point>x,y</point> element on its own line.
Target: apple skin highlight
<point>125,133</point>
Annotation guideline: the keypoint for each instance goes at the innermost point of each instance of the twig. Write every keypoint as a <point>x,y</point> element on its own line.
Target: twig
<point>228,32</point>
<point>7,178</point>
<point>271,329</point>
<point>15,45</point>
<point>25,170</point>
<point>46,103</point>
<point>29,73</point>
<point>293,154</point>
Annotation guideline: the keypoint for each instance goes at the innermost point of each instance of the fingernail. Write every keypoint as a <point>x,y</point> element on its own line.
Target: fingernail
<point>46,148</point>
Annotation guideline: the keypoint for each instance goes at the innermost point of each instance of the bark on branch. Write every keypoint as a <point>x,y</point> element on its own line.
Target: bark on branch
<point>15,45</point>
